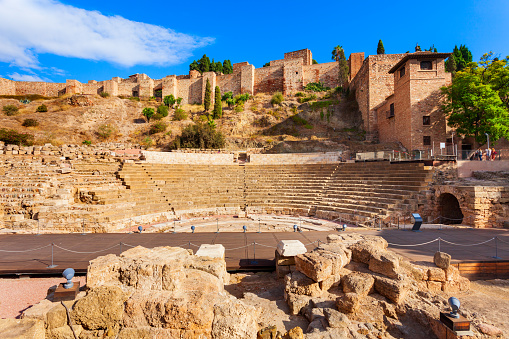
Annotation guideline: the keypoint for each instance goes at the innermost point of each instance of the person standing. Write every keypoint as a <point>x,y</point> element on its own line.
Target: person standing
<point>488,154</point>
<point>493,153</point>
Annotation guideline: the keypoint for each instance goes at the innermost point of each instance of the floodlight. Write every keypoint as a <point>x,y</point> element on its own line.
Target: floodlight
<point>455,305</point>
<point>68,274</point>
<point>193,228</point>
<point>344,227</point>
<point>295,228</point>
<point>140,228</point>
<point>244,228</point>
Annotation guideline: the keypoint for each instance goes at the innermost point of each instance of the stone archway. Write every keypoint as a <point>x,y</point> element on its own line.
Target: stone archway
<point>449,208</point>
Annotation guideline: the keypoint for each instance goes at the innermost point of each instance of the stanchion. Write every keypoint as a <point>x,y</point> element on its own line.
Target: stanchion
<point>254,262</point>
<point>83,226</point>
<point>121,247</point>
<point>439,244</point>
<point>52,264</point>
<point>217,225</point>
<point>496,249</point>
<point>38,227</point>
<point>259,226</point>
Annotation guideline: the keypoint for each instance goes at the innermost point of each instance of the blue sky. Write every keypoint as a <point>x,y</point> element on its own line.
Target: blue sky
<point>56,40</point>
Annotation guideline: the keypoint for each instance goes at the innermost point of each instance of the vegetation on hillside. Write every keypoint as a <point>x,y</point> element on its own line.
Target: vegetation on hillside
<point>200,135</point>
<point>10,136</point>
<point>205,65</point>
<point>338,55</point>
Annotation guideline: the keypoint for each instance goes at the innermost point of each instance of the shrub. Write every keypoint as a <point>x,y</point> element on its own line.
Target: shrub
<point>158,93</point>
<point>104,94</point>
<point>242,97</point>
<point>239,107</point>
<point>308,98</point>
<point>30,123</point>
<point>147,142</point>
<point>158,127</point>
<point>87,142</point>
<point>301,121</point>
<point>157,116</point>
<point>163,110</point>
<point>10,110</point>
<point>300,94</point>
<point>169,100</point>
<point>105,131</point>
<point>179,115</point>
<point>148,112</point>
<point>277,98</point>
<point>10,136</point>
<point>42,108</point>
<point>316,87</point>
<point>199,136</point>
<point>226,96</point>
<point>203,118</point>
<point>134,98</point>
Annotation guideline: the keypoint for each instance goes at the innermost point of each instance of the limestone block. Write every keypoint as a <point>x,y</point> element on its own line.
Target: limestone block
<point>282,271</point>
<point>100,308</point>
<point>490,330</point>
<point>314,266</point>
<point>284,261</point>
<point>234,319</point>
<point>211,251</point>
<point>394,290</point>
<point>452,273</point>
<point>336,319</point>
<point>57,317</point>
<point>442,260</point>
<point>386,263</point>
<point>434,286</point>
<point>16,217</point>
<point>296,302</point>
<point>348,303</point>
<point>64,332</point>
<point>341,251</point>
<point>22,328</point>
<point>291,248</point>
<point>331,281</point>
<point>39,311</point>
<point>299,283</point>
<point>295,333</point>
<point>363,251</point>
<point>268,332</point>
<point>360,283</point>
<point>436,274</point>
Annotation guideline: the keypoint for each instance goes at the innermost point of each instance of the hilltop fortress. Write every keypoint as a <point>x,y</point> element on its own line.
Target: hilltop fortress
<point>398,94</point>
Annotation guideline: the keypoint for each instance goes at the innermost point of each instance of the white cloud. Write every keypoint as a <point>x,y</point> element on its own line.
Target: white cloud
<point>26,77</point>
<point>32,27</point>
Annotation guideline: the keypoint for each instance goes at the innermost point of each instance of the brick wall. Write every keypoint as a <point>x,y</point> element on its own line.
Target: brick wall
<point>293,73</point>
<point>268,79</point>
<point>304,54</point>
<point>229,83</point>
<point>247,74</point>
<point>326,73</point>
<point>355,63</point>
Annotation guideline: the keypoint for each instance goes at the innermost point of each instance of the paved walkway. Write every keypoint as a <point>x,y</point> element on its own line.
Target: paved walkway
<point>17,254</point>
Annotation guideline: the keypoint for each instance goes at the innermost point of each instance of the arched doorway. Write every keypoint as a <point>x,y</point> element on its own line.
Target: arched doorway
<point>449,208</point>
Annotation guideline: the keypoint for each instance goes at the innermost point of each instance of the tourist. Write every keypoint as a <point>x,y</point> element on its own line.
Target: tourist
<point>479,154</point>
<point>488,154</point>
<point>493,153</point>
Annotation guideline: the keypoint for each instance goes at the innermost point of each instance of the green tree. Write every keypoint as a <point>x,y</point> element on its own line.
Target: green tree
<point>380,48</point>
<point>217,113</point>
<point>462,57</point>
<point>208,93</point>
<point>314,62</point>
<point>201,135</point>
<point>219,67</point>
<point>194,66</point>
<point>169,100</point>
<point>212,67</point>
<point>267,64</point>
<point>418,48</point>
<point>148,112</point>
<point>162,110</point>
<point>204,64</point>
<point>477,100</point>
<point>450,65</point>
<point>338,54</point>
<point>227,67</point>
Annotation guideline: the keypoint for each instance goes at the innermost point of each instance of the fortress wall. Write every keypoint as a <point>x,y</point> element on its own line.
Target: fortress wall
<point>360,84</point>
<point>190,90</point>
<point>305,54</point>
<point>93,88</point>
<point>355,63</point>
<point>295,158</point>
<point>247,76</point>
<point>293,73</point>
<point>49,89</point>
<point>277,62</point>
<point>126,88</point>
<point>188,158</point>
<point>229,83</point>
<point>268,79</point>
<point>7,87</point>
<point>326,73</point>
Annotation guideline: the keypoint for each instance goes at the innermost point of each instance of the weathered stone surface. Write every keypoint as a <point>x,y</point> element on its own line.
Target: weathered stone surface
<point>56,317</point>
<point>389,310</point>
<point>210,251</point>
<point>299,283</point>
<point>348,303</point>
<point>460,284</point>
<point>394,290</point>
<point>234,319</point>
<point>282,271</point>
<point>331,281</point>
<point>102,307</point>
<point>155,332</point>
<point>452,273</point>
<point>22,328</point>
<point>490,330</point>
<point>284,261</point>
<point>364,250</point>
<point>442,260</point>
<point>295,333</point>
<point>269,332</point>
<point>336,319</point>
<point>64,332</point>
<point>314,266</point>
<point>360,283</point>
<point>39,311</point>
<point>386,263</point>
<point>436,274</point>
<point>296,302</point>
<point>434,286</point>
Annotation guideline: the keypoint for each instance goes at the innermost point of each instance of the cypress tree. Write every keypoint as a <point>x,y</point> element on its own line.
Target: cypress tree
<point>212,66</point>
<point>380,49</point>
<point>204,63</point>
<point>219,67</point>
<point>217,113</point>
<point>227,67</point>
<point>450,65</point>
<point>206,101</point>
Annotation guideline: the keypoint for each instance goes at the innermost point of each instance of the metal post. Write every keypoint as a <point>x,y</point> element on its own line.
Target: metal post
<point>254,254</point>
<point>38,227</point>
<point>496,249</point>
<point>52,264</point>
<point>217,224</point>
<point>439,244</point>
<point>174,227</point>
<point>121,247</point>
<point>259,226</point>
<point>189,245</point>
<point>398,222</point>
<point>83,226</point>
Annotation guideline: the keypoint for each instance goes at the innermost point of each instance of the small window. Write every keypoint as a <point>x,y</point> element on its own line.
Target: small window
<point>426,140</point>
<point>426,65</point>
<point>391,111</point>
<point>402,71</point>
<point>426,120</point>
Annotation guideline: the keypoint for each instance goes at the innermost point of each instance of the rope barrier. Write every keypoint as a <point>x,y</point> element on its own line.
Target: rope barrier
<point>68,250</point>
<point>414,245</point>
<point>34,249</point>
<point>502,240</point>
<point>265,245</point>
<point>236,248</point>
<point>484,242</point>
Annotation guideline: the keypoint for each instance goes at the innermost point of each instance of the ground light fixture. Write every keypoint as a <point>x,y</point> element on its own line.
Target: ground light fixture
<point>455,306</point>
<point>295,228</point>
<point>140,228</point>
<point>244,228</point>
<point>193,228</point>
<point>68,274</point>
<point>344,227</point>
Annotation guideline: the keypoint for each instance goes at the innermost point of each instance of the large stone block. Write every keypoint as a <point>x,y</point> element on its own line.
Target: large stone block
<point>442,260</point>
<point>234,319</point>
<point>436,274</point>
<point>211,251</point>
<point>291,248</point>
<point>298,283</point>
<point>386,263</point>
<point>314,266</point>
<point>394,290</point>
<point>22,328</point>
<point>348,303</point>
<point>360,283</point>
<point>296,302</point>
<point>363,251</point>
